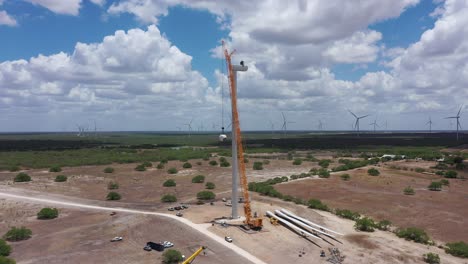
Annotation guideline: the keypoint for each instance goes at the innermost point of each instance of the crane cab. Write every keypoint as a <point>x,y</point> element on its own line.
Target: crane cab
<point>222,138</point>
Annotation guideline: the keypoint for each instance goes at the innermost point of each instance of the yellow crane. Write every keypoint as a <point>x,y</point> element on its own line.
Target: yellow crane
<point>194,255</point>
<point>252,222</point>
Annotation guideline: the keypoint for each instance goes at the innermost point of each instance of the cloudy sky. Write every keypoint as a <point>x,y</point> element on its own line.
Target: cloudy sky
<point>157,64</point>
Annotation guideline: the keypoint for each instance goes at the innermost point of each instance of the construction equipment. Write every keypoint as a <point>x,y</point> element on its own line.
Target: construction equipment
<point>194,255</point>
<point>254,223</point>
<point>274,221</point>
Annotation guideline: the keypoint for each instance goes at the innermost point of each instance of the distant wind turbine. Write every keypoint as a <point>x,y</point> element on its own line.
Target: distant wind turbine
<point>430,125</point>
<point>375,125</point>
<point>285,123</point>
<point>189,127</point>
<point>356,124</point>
<point>320,125</point>
<point>458,119</point>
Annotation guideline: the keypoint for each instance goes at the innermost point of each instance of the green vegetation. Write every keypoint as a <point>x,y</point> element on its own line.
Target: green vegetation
<point>414,234</point>
<point>22,177</point>
<point>5,249</point>
<point>210,185</point>
<point>187,165</point>
<point>17,234</point>
<point>431,258</point>
<point>140,167</point>
<point>458,249</point>
<point>324,163</point>
<point>348,214</point>
<point>445,182</point>
<point>264,188</point>
<point>408,191</point>
<point>350,164</point>
<point>160,166</point>
<point>323,173</point>
<point>460,166</point>
<point>451,174</point>
<point>172,171</point>
<point>169,183</point>
<point>61,178</point>
<point>147,164</point>
<point>297,162</point>
<point>198,179</point>
<point>55,169</point>
<point>5,260</point>
<point>48,213</point>
<point>420,170</point>
<point>317,204</point>
<point>14,168</point>
<point>225,164</point>
<point>258,165</point>
<point>373,172</point>
<point>383,225</point>
<point>213,163</point>
<point>345,177</point>
<point>222,159</point>
<point>113,196</point>
<point>435,186</point>
<point>206,195</point>
<point>112,185</point>
<point>172,256</point>
<point>168,198</point>
<point>365,224</point>
<point>108,170</point>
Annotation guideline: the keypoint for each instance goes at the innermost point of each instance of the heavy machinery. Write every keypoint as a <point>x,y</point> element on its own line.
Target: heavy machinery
<point>254,223</point>
<point>194,255</point>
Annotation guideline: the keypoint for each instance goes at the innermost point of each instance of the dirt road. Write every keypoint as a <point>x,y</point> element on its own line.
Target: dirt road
<point>202,228</point>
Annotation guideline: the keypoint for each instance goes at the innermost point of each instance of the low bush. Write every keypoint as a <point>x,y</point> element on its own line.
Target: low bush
<point>324,163</point>
<point>440,173</point>
<point>431,258</point>
<point>451,174</point>
<point>112,185</point>
<point>172,256</point>
<point>198,179</point>
<point>258,165</point>
<point>420,170</point>
<point>206,195</point>
<point>17,234</point>
<point>140,167</point>
<point>55,169</point>
<point>373,172</point>
<point>187,165</point>
<point>323,173</point>
<point>48,213</point>
<point>317,204</point>
<point>348,214</point>
<point>172,171</point>
<point>225,164</point>
<point>246,160</point>
<point>160,166</point>
<point>345,177</point>
<point>460,166</point>
<point>350,164</point>
<point>108,170</point>
<point>265,189</point>
<point>113,196</point>
<point>365,224</point>
<point>210,185</point>
<point>14,168</point>
<point>169,183</point>
<point>408,191</point>
<point>459,249</point>
<point>61,178</point>
<point>168,198</point>
<point>445,182</point>
<point>22,177</point>
<point>5,260</point>
<point>222,159</point>
<point>435,186</point>
<point>5,249</point>
<point>383,225</point>
<point>213,163</point>
<point>297,162</point>
<point>414,234</point>
<point>147,164</point>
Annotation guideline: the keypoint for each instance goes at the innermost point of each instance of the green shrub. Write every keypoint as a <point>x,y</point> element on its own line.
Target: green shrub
<point>451,174</point>
<point>210,185</point>
<point>348,214</point>
<point>187,165</point>
<point>48,213</point>
<point>198,179</point>
<point>213,163</point>
<point>408,191</point>
<point>440,173</point>
<point>61,178</point>
<point>324,163</point>
<point>435,186</point>
<point>172,171</point>
<point>172,256</point>
<point>22,177</point>
<point>225,164</point>
<point>460,166</point>
<point>160,166</point>
<point>14,168</point>
<point>323,173</point>
<point>140,167</point>
<point>317,204</point>
<point>168,198</point>
<point>365,224</point>
<point>222,159</point>
<point>297,162</point>
<point>109,170</point>
<point>17,234</point>
<point>383,225</point>
<point>345,177</point>
<point>373,172</point>
<point>206,195</point>
<point>420,170</point>
<point>5,249</point>
<point>290,156</point>
<point>113,196</point>
<point>258,165</point>
<point>55,169</point>
<point>445,182</point>
<point>246,160</point>
<point>431,258</point>
<point>169,183</point>
<point>147,164</point>
<point>415,234</point>
<point>112,185</point>
<point>459,249</point>
<point>5,260</point>
<point>207,157</point>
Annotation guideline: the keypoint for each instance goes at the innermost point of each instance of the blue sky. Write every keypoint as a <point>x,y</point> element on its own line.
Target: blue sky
<point>303,61</point>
